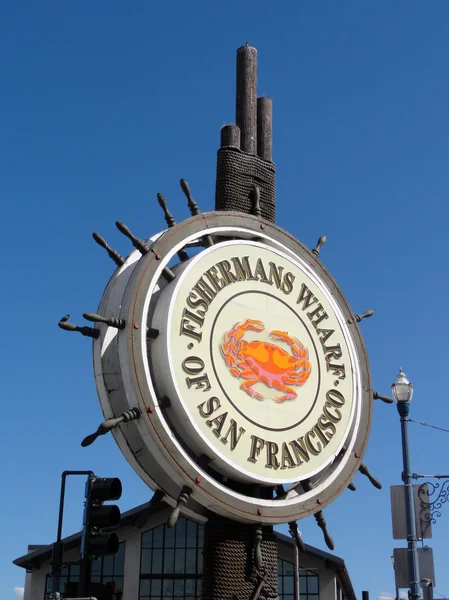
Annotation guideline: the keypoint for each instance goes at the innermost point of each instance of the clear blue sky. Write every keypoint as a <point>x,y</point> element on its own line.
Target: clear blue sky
<point>104,104</point>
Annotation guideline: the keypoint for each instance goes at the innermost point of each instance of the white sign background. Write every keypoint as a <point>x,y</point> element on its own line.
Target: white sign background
<point>276,422</point>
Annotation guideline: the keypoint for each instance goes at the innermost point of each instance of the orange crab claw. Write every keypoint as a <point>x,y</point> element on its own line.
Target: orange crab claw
<point>276,333</point>
<point>247,387</point>
<point>252,324</point>
<point>289,395</point>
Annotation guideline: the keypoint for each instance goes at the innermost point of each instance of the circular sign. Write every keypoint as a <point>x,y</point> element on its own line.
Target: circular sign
<point>258,363</point>
<point>246,366</point>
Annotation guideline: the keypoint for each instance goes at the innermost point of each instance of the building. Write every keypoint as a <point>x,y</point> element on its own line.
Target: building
<point>157,562</point>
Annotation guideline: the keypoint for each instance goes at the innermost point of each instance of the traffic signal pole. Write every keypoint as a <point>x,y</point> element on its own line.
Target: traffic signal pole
<point>58,550</point>
<point>84,576</point>
<point>85,562</point>
<point>97,516</point>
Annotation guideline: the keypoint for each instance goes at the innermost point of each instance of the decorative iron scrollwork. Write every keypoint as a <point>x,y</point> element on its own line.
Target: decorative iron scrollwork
<point>432,496</point>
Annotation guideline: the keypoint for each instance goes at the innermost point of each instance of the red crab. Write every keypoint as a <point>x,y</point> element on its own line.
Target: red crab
<point>261,361</point>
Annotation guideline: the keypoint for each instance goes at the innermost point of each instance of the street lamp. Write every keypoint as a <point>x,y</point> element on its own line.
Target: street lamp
<point>403,391</point>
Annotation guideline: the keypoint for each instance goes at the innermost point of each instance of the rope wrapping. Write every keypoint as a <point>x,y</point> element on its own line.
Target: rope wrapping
<point>229,567</point>
<point>237,173</point>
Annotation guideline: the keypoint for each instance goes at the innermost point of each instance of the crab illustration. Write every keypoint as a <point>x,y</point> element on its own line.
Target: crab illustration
<point>260,361</point>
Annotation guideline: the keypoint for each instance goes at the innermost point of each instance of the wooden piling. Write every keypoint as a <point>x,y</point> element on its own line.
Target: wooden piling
<point>264,128</point>
<point>246,98</point>
<point>230,136</point>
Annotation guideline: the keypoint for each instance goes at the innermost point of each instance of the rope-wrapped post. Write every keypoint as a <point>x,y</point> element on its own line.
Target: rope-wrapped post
<point>245,156</point>
<point>229,559</point>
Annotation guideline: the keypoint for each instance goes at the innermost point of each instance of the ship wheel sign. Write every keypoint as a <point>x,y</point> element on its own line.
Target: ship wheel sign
<point>234,369</point>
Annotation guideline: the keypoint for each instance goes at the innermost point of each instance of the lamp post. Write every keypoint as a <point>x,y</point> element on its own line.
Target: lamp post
<point>403,391</point>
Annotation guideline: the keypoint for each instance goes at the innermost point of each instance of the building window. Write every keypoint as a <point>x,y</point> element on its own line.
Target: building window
<point>108,570</point>
<point>308,582</point>
<point>70,574</point>
<point>171,564</point>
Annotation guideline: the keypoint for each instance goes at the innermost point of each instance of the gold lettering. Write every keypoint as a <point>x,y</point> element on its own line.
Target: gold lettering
<point>306,297</point>
<point>325,334</point>
<point>332,352</point>
<point>218,423</point>
<point>287,460</point>
<point>272,450</point>
<point>201,382</point>
<point>323,424</point>
<point>242,268</point>
<point>337,370</point>
<point>224,266</point>
<point>315,450</point>
<point>336,397</point>
<point>213,404</point>
<point>190,330</point>
<point>234,437</point>
<point>193,365</point>
<point>194,302</point>
<point>320,434</point>
<point>320,313</point>
<point>204,290</point>
<point>212,275</point>
<point>260,271</point>
<point>194,317</point>
<point>287,284</point>
<point>336,417</point>
<point>300,450</point>
<point>276,274</point>
<point>257,444</point>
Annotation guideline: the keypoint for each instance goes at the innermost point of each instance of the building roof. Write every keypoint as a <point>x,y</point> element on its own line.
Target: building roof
<point>139,515</point>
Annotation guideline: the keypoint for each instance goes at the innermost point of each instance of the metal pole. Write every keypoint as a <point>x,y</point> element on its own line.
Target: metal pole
<point>296,577</point>
<point>58,550</point>
<point>293,527</point>
<point>84,576</point>
<point>85,561</point>
<point>403,410</point>
<point>427,589</point>
<point>394,571</point>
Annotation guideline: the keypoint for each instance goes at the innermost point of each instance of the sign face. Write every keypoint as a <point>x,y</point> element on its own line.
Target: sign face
<point>245,364</point>
<point>257,361</point>
<point>402,566</point>
<point>398,512</point>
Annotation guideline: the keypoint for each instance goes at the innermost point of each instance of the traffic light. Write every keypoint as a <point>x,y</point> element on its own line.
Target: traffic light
<point>99,516</point>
